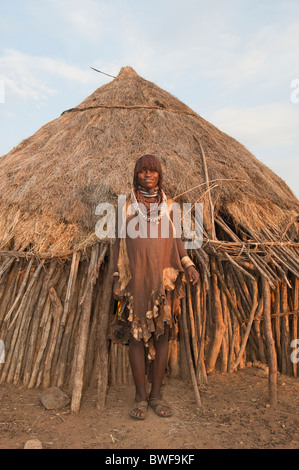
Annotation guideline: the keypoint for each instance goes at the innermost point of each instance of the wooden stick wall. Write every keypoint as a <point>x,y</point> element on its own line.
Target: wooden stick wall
<point>54,318</point>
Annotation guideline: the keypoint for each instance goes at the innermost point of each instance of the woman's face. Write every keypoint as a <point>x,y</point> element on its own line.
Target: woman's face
<point>148,179</point>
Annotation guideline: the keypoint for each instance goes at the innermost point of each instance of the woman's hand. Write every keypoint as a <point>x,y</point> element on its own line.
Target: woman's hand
<point>192,275</point>
<point>116,289</point>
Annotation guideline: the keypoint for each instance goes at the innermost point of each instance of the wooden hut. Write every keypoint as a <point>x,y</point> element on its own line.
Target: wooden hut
<point>55,273</point>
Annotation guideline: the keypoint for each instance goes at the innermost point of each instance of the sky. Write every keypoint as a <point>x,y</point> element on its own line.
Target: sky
<point>234,62</point>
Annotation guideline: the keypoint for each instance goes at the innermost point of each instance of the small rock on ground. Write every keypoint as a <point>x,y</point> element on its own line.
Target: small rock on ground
<point>53,398</point>
<point>33,444</point>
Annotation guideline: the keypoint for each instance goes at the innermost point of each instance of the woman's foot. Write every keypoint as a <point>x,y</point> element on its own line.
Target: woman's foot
<point>139,410</point>
<point>160,407</point>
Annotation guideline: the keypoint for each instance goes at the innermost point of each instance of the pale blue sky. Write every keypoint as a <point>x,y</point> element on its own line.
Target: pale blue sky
<point>231,61</point>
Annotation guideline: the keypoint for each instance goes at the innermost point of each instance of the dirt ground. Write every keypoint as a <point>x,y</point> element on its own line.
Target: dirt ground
<point>234,415</point>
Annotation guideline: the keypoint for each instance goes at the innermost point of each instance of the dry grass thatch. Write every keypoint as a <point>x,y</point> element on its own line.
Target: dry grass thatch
<point>52,182</point>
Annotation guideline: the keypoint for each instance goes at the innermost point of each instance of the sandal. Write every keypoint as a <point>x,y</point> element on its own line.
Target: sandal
<point>141,406</point>
<point>158,405</point>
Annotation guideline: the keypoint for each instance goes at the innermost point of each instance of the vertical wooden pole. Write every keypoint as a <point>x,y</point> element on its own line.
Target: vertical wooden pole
<point>61,341</point>
<point>188,353</point>
<point>271,353</point>
<point>210,220</point>
<point>219,326</point>
<point>184,366</point>
<point>194,338</point>
<point>286,335</point>
<point>83,332</point>
<point>250,320</point>
<point>103,335</point>
<point>201,310</point>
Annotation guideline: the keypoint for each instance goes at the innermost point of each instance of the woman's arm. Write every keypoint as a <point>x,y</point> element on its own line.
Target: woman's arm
<point>181,248</point>
<point>191,273</point>
<point>116,283</point>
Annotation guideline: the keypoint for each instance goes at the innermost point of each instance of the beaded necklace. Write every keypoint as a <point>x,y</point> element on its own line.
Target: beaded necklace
<point>143,215</point>
<point>147,194</point>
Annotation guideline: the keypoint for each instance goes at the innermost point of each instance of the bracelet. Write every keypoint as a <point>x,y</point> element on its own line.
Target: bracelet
<point>116,274</point>
<point>187,262</point>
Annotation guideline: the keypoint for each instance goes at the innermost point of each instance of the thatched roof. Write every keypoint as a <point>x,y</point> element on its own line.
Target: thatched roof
<point>51,183</point>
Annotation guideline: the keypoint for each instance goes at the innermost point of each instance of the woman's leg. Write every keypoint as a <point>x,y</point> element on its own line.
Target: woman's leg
<point>137,362</point>
<point>158,368</point>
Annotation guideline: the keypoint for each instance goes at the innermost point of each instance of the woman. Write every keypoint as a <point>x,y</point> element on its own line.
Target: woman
<point>149,268</point>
